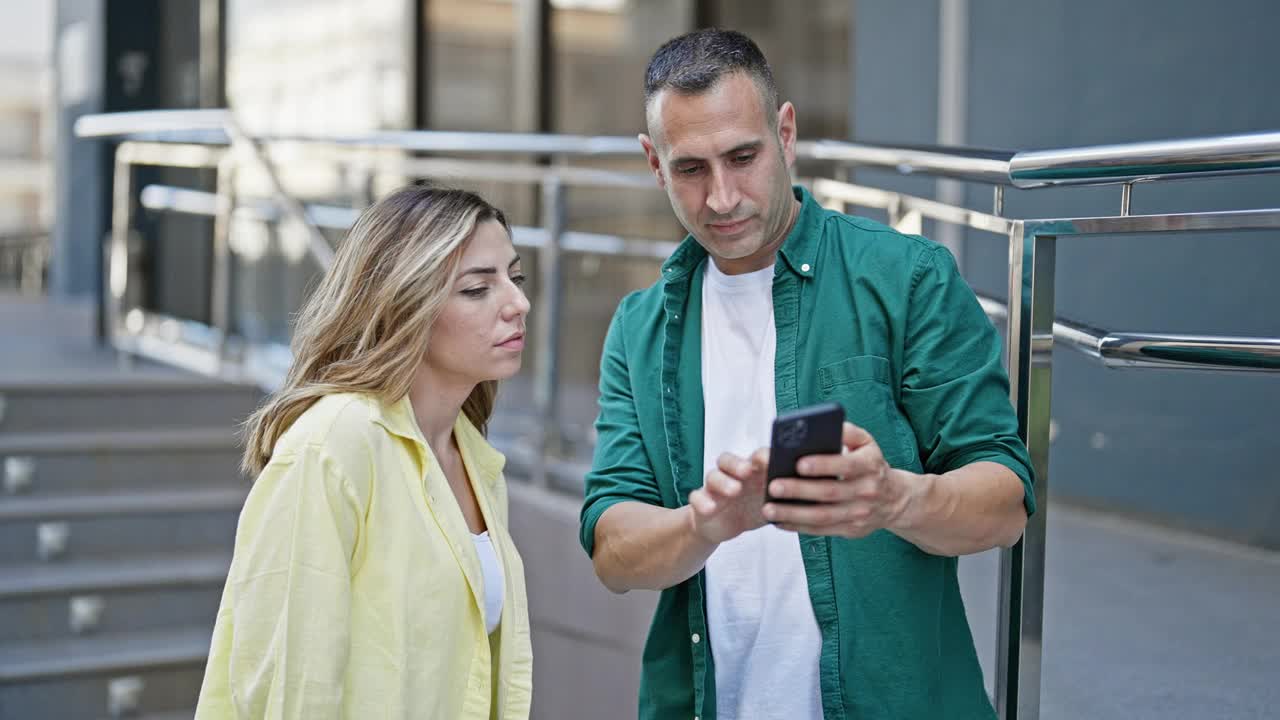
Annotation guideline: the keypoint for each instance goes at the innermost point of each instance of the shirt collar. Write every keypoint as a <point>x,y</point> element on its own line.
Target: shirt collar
<point>798,250</point>
<point>398,419</point>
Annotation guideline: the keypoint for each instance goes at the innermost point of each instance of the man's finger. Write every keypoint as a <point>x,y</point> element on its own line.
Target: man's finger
<point>825,491</point>
<point>815,516</point>
<point>718,483</point>
<point>865,459</point>
<point>855,437</point>
<point>732,465</point>
<point>702,503</point>
<point>760,459</point>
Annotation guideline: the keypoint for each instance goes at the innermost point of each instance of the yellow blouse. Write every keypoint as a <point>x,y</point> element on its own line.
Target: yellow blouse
<point>356,591</point>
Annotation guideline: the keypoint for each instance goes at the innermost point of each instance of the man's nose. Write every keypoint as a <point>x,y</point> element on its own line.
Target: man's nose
<point>723,197</point>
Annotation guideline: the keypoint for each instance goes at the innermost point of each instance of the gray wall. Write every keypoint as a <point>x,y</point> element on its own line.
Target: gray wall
<point>587,641</point>
<point>1190,449</point>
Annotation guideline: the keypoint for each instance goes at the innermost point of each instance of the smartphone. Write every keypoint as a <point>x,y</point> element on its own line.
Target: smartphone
<point>814,430</point>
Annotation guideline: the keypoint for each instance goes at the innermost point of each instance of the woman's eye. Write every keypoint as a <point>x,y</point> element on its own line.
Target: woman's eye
<point>518,280</point>
<point>476,291</point>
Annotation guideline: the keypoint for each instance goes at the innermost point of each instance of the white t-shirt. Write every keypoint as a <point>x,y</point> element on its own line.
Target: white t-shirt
<point>494,584</point>
<point>764,639</point>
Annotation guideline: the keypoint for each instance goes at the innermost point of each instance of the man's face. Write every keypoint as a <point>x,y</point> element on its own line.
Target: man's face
<point>725,169</point>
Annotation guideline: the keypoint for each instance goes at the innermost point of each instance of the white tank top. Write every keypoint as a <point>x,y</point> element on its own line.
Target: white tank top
<point>494,583</point>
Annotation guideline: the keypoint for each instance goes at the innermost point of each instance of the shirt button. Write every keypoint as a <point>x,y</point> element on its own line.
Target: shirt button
<point>805,267</point>
<point>696,638</point>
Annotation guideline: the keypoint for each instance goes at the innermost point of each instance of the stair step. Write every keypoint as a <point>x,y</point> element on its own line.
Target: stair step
<point>167,694</point>
<point>107,574</point>
<point>123,653</point>
<point>172,715</point>
<point>71,473</point>
<point>54,617</point>
<point>101,505</point>
<point>117,535</point>
<point>117,441</point>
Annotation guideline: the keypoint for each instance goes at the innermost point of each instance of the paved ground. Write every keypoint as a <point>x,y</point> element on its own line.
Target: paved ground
<point>1142,622</point>
<point>43,339</point>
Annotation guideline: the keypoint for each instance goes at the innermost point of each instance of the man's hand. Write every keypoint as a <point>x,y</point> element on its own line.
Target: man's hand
<point>864,496</point>
<point>731,497</point>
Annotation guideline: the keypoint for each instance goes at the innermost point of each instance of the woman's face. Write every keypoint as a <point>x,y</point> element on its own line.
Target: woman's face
<point>479,334</point>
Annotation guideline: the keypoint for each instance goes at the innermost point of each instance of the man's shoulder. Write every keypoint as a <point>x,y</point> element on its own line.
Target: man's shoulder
<point>857,235</point>
<point>639,307</point>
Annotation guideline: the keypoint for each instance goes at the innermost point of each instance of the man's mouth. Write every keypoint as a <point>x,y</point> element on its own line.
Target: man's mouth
<point>728,228</point>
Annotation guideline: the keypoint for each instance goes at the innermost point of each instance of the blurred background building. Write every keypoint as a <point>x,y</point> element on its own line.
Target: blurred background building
<point>26,143</point>
<point>120,490</point>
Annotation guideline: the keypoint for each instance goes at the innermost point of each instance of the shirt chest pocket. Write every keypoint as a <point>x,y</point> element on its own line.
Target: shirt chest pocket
<point>862,385</point>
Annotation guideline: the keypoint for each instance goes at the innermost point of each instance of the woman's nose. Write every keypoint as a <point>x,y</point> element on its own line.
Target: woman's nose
<point>518,304</point>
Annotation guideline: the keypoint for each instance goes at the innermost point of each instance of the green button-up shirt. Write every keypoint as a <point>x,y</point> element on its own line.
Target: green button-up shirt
<point>884,324</point>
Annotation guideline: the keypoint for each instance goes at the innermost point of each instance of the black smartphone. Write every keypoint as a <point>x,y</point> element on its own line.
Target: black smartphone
<point>814,430</point>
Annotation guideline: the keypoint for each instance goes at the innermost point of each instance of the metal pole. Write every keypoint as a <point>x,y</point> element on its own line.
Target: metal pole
<point>953,72</point>
<point>220,282</point>
<point>531,65</point>
<point>1126,196</point>
<point>547,326</point>
<point>1030,346</point>
<point>118,252</point>
<point>997,202</point>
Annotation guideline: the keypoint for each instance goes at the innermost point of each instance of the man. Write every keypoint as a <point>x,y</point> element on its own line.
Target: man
<point>848,608</point>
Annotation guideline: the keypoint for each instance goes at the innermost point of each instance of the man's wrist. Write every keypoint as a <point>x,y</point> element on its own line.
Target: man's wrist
<point>917,497</point>
<point>691,521</point>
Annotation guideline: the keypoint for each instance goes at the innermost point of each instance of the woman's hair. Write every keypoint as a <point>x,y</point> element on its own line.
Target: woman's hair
<point>366,326</point>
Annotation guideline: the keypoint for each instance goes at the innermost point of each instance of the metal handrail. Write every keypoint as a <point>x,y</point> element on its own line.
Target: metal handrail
<point>1091,165</point>
<point>335,217</point>
<point>1114,349</point>
<point>1154,160</point>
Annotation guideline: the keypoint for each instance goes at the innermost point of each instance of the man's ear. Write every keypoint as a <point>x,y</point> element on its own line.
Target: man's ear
<point>787,132</point>
<point>651,154</point>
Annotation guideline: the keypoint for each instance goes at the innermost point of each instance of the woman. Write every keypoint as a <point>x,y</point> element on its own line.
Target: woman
<point>373,574</point>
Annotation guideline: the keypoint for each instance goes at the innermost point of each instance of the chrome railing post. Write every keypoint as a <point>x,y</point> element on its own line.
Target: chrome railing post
<point>117,256</point>
<point>1030,345</point>
<point>220,283</point>
<point>546,319</point>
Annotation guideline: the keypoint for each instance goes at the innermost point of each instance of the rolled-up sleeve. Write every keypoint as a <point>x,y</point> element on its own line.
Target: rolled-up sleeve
<point>281,638</point>
<point>620,468</point>
<point>955,391</point>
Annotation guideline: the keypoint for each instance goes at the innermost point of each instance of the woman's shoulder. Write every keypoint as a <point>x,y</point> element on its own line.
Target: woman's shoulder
<point>340,423</point>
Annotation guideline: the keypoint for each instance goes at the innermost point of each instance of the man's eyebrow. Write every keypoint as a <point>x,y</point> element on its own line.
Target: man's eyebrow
<point>743,147</point>
<point>488,269</point>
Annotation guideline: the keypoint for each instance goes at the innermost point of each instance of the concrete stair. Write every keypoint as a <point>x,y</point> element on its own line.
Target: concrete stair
<point>119,494</point>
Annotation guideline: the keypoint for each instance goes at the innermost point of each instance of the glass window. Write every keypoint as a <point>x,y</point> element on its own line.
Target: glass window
<point>470,63</point>
<point>808,48</point>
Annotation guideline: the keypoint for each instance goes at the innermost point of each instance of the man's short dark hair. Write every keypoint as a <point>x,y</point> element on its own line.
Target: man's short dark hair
<point>694,62</point>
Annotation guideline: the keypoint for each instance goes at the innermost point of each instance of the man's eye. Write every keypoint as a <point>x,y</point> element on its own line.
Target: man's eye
<point>744,159</point>
<point>689,170</point>
<point>518,279</point>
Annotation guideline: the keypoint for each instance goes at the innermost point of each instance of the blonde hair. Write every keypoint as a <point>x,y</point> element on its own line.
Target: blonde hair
<point>366,326</point>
